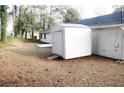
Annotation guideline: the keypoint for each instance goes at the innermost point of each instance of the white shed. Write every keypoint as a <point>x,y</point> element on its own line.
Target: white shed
<point>71,40</point>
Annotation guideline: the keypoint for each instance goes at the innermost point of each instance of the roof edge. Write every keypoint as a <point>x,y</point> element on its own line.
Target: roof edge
<point>107,26</point>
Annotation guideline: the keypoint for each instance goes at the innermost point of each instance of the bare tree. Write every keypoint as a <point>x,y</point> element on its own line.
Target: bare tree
<point>118,8</point>
<point>100,11</point>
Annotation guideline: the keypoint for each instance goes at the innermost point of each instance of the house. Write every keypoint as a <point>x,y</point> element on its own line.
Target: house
<point>107,34</point>
<point>71,40</point>
<point>45,36</point>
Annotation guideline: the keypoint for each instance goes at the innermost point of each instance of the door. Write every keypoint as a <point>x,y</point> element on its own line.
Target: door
<point>57,43</point>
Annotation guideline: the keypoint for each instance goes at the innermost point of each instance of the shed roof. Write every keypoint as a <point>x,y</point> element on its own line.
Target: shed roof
<point>105,20</point>
<point>71,25</point>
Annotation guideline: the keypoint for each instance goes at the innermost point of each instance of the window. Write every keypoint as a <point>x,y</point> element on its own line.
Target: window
<point>41,36</point>
<point>44,35</point>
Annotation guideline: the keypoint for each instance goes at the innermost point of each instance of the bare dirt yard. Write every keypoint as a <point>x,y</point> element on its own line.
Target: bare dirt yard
<point>23,64</point>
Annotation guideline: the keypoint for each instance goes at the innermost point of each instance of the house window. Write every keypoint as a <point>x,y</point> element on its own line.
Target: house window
<point>44,35</point>
<point>41,36</point>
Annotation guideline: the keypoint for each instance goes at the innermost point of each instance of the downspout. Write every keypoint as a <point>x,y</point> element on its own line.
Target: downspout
<point>122,28</point>
<point>122,46</point>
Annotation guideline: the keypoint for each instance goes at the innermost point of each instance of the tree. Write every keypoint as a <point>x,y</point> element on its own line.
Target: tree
<point>33,23</point>
<point>118,8</point>
<point>100,11</point>
<point>41,17</point>
<point>14,11</point>
<point>3,16</point>
<point>26,21</point>
<point>21,21</point>
<point>57,12</point>
<point>71,15</point>
<point>45,15</point>
<point>51,22</point>
<point>41,14</point>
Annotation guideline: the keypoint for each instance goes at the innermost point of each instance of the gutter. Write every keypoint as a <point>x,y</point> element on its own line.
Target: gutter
<point>107,26</point>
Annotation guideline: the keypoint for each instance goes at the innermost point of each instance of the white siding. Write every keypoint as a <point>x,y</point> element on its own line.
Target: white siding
<point>107,42</point>
<point>77,42</point>
<point>47,39</point>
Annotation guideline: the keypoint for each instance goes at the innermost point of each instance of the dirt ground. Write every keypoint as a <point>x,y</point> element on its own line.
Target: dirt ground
<point>23,64</point>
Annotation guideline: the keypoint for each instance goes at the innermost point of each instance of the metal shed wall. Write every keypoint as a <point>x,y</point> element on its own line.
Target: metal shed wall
<point>108,42</point>
<point>71,41</point>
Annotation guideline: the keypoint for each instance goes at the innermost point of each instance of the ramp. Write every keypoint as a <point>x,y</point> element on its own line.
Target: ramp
<point>52,57</point>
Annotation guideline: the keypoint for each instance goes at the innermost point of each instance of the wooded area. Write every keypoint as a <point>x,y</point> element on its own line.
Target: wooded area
<point>31,18</point>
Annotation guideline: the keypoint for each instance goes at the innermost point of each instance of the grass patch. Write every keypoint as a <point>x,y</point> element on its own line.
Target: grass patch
<point>9,40</point>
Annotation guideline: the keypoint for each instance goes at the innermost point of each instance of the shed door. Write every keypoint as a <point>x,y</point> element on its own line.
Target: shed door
<point>57,43</point>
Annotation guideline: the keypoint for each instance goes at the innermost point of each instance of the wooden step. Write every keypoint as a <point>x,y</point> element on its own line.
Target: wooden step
<point>52,57</point>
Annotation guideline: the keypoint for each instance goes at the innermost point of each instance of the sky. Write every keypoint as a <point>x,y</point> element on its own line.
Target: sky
<point>88,11</point>
<point>93,10</point>
<point>86,8</point>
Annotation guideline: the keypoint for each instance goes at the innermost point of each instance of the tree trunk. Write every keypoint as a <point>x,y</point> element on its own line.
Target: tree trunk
<point>51,8</point>
<point>25,34</point>
<point>15,33</point>
<point>22,33</point>
<point>3,35</point>
<point>32,35</point>
<point>43,24</point>
<point>48,24</point>
<point>3,23</point>
<point>14,19</point>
